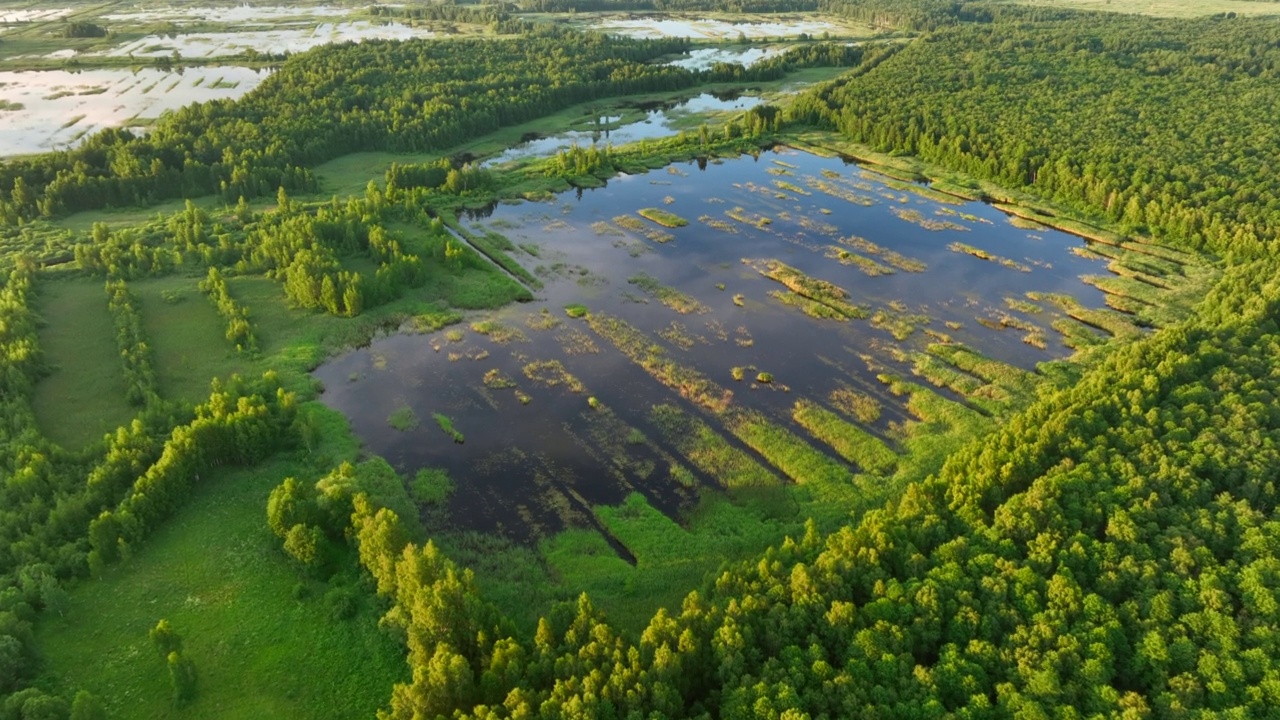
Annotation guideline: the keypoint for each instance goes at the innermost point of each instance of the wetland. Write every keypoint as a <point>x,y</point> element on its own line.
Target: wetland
<point>715,329</point>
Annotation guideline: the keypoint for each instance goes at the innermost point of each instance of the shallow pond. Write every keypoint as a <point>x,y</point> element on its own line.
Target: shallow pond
<point>658,122</point>
<point>704,58</point>
<point>53,109</point>
<point>528,470</point>
<point>287,40</point>
<point>659,26</point>
<point>228,14</point>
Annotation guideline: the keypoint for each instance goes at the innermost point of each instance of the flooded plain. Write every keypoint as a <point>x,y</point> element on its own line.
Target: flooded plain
<point>557,414</point>
<point>658,122</point>
<point>43,110</point>
<point>268,42</point>
<point>659,26</point>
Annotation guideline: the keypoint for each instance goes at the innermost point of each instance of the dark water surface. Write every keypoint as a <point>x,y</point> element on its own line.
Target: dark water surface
<point>528,470</point>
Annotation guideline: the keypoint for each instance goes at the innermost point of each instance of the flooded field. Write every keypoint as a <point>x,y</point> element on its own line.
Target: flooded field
<point>228,14</point>
<point>42,110</point>
<point>273,42</point>
<point>658,122</point>
<point>657,26</point>
<point>734,324</point>
<point>704,58</point>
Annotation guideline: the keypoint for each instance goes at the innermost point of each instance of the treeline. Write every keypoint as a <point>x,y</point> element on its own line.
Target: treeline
<point>62,514</point>
<point>135,353</point>
<point>397,96</point>
<point>1159,126</point>
<point>896,14</point>
<point>239,329</point>
<point>240,425</point>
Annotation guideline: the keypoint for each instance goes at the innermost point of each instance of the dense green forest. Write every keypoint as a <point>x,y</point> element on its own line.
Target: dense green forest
<point>1158,126</point>
<point>1112,550</point>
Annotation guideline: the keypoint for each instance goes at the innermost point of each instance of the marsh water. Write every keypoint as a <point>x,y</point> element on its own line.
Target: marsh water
<point>53,109</point>
<point>528,470</point>
<point>660,121</point>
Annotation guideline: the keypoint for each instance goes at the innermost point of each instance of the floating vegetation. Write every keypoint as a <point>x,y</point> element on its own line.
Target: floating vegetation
<point>915,216</point>
<point>669,296</point>
<point>954,324</point>
<point>849,441</point>
<point>677,334</point>
<point>635,224</point>
<point>707,451</point>
<point>523,397</point>
<point>744,338</point>
<point>818,226</point>
<point>552,373</point>
<point>673,170</point>
<point>739,299</point>
<point>738,373</point>
<point>403,419</point>
<point>900,325</point>
<point>1117,324</point>
<point>830,173</point>
<point>748,218</point>
<point>857,405</point>
<point>1086,253</point>
<point>984,255</point>
<point>575,342</point>
<point>867,266</point>
<point>603,228</point>
<point>764,378</point>
<point>668,200</point>
<point>575,310</point>
<point>688,382</point>
<point>718,224</point>
<point>555,225</point>
<point>716,328</point>
<point>1025,223</point>
<point>895,259</point>
<point>454,335</point>
<point>790,187</point>
<point>495,379</point>
<point>840,193</point>
<point>498,332</point>
<point>1023,306</point>
<point>782,163</point>
<point>831,300</point>
<point>446,425</point>
<point>634,248</point>
<point>778,171</point>
<point>663,217</point>
<point>543,320</point>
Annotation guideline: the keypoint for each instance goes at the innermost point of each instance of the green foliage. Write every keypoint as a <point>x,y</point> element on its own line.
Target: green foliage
<point>446,425</point>
<point>431,486</point>
<point>576,310</point>
<point>165,639</point>
<point>403,419</point>
<point>1028,105</point>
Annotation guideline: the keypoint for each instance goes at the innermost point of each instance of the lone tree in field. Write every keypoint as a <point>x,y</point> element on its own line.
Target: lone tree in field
<point>166,639</point>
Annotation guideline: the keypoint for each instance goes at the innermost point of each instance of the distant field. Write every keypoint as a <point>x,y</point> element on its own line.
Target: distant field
<point>1164,8</point>
<point>83,397</point>
<point>218,575</point>
<point>187,338</point>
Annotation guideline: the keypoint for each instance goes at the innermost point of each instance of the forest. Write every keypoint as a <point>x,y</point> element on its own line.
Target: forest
<point>1109,549</point>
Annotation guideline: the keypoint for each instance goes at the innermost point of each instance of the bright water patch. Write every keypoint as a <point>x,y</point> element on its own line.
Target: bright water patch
<point>659,27</point>
<point>289,40</point>
<point>59,108</point>
<point>704,58</point>
<point>657,123</point>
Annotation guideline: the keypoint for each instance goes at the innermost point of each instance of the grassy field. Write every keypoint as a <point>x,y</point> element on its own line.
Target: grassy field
<point>187,338</point>
<point>218,575</point>
<point>83,397</point>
